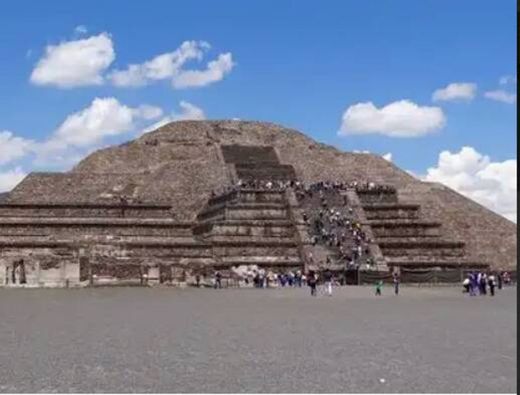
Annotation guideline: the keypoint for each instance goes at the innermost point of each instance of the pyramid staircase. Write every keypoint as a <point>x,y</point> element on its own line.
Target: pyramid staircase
<point>251,226</point>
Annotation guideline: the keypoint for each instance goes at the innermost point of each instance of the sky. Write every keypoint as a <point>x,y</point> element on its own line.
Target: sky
<point>429,85</point>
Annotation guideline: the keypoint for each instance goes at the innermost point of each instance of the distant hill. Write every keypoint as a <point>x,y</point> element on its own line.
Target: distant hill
<point>3,196</point>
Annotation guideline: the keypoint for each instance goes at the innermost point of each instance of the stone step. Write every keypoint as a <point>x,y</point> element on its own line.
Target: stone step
<point>392,214</point>
<point>85,210</point>
<point>260,261</point>
<point>91,231</point>
<point>381,238</point>
<point>403,243</point>
<point>255,223</point>
<point>244,227</point>
<point>416,248</point>
<point>367,196</point>
<point>262,215</point>
<point>246,154</point>
<point>246,211</point>
<point>166,242</point>
<point>257,206</point>
<point>243,249</point>
<point>423,253</point>
<point>144,222</point>
<point>391,206</point>
<point>264,171</point>
<point>404,222</point>
<point>272,242</point>
<point>412,241</point>
<point>418,262</point>
<point>388,228</point>
<point>247,239</point>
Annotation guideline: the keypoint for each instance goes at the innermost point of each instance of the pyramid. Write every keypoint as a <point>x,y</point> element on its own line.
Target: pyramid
<point>158,209</point>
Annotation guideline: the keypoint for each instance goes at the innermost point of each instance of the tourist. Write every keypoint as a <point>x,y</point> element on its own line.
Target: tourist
<point>396,283</point>
<point>379,286</point>
<point>327,277</point>
<point>491,283</point>
<point>298,278</point>
<point>197,280</point>
<point>473,286</point>
<point>499,280</point>
<point>507,278</point>
<point>483,283</point>
<point>290,278</point>
<point>218,280</point>
<point>311,281</point>
<point>466,284</point>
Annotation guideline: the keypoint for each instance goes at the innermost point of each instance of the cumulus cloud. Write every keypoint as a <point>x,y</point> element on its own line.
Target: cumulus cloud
<point>215,71</point>
<point>75,63</point>
<point>188,111</point>
<point>170,66</point>
<point>455,92</point>
<point>502,96</point>
<point>398,119</point>
<point>104,117</point>
<point>13,147</point>
<point>161,67</point>
<point>492,184</point>
<point>507,79</point>
<point>10,178</point>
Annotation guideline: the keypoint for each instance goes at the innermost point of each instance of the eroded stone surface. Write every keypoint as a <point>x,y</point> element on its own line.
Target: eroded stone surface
<point>103,211</point>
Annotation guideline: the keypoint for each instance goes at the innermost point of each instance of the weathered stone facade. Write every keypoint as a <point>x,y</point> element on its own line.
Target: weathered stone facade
<point>141,212</point>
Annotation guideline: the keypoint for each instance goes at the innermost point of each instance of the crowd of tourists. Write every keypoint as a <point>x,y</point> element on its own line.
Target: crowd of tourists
<point>331,222</point>
<point>267,279</point>
<point>260,278</point>
<point>478,283</point>
<point>302,187</point>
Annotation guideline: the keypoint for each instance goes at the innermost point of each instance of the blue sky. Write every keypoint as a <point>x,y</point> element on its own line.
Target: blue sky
<point>298,63</point>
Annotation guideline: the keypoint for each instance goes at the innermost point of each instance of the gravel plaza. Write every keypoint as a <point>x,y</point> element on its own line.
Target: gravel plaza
<point>256,340</point>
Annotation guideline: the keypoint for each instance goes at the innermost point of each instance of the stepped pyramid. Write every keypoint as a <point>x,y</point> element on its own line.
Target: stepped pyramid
<point>144,211</point>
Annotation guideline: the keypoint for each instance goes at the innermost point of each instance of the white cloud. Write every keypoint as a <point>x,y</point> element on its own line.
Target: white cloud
<point>161,67</point>
<point>388,156</point>
<point>80,29</point>
<point>104,117</point>
<point>507,79</point>
<point>10,178</point>
<point>215,71</point>
<point>456,91</point>
<point>492,184</point>
<point>502,96</point>
<point>398,119</point>
<point>188,111</point>
<point>170,66</point>
<point>13,147</point>
<point>75,63</point>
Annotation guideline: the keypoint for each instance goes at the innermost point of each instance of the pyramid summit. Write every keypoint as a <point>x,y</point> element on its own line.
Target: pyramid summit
<point>165,207</point>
